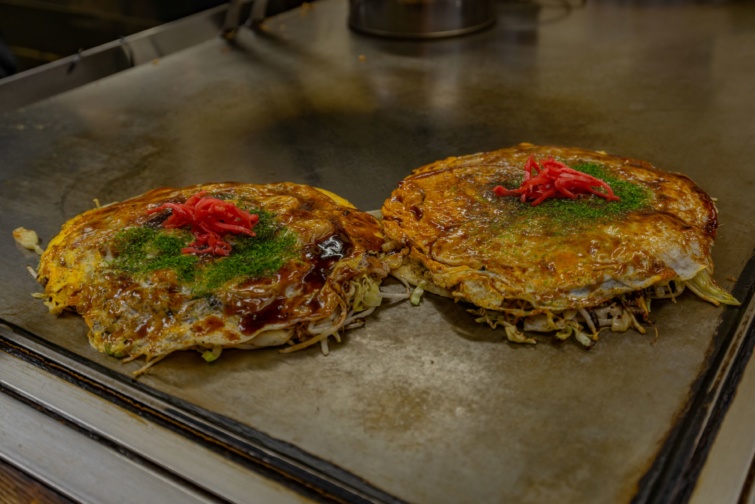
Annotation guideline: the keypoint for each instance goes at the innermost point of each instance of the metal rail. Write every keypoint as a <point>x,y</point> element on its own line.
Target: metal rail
<point>90,65</point>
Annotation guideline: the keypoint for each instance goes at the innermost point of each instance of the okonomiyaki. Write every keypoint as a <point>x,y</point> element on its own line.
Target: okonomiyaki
<point>552,239</point>
<point>214,266</point>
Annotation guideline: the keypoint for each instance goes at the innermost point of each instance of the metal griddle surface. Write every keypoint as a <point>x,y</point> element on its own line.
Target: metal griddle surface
<point>422,402</point>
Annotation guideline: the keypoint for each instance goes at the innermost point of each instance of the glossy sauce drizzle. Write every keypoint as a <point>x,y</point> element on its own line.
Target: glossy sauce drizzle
<point>321,257</point>
<point>254,320</point>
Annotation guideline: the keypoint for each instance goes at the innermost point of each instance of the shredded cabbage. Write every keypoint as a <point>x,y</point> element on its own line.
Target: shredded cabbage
<point>704,286</point>
<point>366,292</point>
<point>211,355</point>
<point>583,324</point>
<point>417,293</point>
<point>627,311</point>
<point>28,239</point>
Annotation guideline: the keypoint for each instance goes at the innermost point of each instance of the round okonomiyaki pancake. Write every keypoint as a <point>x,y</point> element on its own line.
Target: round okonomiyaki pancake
<point>554,239</point>
<point>207,267</point>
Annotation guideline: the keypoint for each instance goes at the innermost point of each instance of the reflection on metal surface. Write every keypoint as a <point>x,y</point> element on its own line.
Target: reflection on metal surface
<point>87,66</point>
<point>237,16</point>
<point>171,437</point>
<point>421,18</point>
<point>46,419</point>
<point>674,473</point>
<point>729,471</point>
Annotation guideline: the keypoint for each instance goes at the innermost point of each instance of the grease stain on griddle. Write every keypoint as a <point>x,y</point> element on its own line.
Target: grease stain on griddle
<point>397,408</point>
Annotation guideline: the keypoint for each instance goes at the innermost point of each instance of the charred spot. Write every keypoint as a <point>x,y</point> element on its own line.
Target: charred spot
<point>660,196</point>
<point>157,219</point>
<point>214,303</point>
<point>711,226</point>
<point>634,302</point>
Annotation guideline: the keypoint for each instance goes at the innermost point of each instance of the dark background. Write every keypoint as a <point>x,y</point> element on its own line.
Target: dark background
<point>36,32</point>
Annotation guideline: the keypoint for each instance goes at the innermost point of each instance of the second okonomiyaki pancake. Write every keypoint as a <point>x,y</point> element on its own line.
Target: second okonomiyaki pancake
<point>475,228</point>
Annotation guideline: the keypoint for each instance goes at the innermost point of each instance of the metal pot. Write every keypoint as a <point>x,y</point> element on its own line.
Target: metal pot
<point>420,18</point>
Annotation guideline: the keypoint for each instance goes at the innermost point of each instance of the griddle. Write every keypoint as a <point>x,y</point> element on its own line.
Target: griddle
<point>421,404</point>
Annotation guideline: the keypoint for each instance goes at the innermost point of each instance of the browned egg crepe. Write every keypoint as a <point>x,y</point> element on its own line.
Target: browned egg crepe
<point>568,266</point>
<point>312,268</point>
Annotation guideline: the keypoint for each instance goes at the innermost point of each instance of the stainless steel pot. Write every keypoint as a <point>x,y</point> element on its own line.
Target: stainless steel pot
<point>420,18</point>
